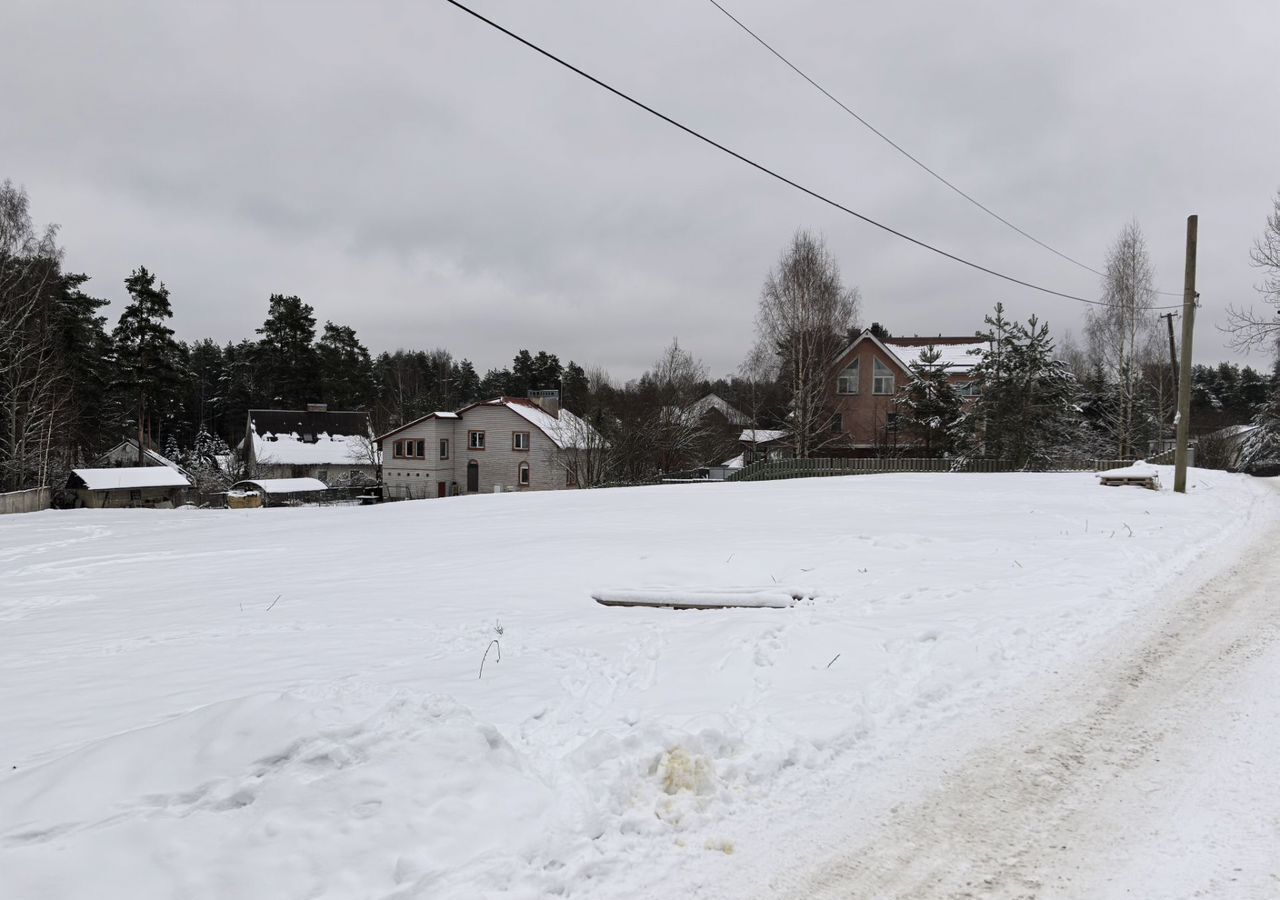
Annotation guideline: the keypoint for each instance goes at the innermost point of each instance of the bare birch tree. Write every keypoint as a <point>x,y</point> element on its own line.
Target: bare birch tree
<point>758,371</point>
<point>1122,338</point>
<point>31,395</point>
<point>676,434</point>
<point>805,315</point>
<point>1247,327</point>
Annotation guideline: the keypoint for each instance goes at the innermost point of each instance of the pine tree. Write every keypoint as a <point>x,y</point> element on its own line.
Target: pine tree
<point>203,403</point>
<point>288,367</point>
<point>466,383</point>
<point>92,419</point>
<point>576,387</point>
<point>346,371</point>
<point>146,355</point>
<point>928,406</point>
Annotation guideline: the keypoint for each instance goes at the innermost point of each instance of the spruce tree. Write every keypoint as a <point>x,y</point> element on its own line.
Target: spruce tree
<point>928,406</point>
<point>1026,412</point>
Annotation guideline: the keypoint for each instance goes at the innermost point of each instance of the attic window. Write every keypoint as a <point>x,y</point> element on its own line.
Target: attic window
<point>883,381</point>
<point>847,381</point>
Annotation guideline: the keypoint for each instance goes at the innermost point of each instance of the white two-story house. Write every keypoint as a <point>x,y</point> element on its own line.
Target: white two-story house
<point>508,443</point>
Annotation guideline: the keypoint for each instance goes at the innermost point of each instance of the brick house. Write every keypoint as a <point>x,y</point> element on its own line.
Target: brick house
<point>865,380</point>
<point>508,443</point>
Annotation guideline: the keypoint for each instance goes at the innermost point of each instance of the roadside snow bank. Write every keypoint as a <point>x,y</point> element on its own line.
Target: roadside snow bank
<point>171,729</point>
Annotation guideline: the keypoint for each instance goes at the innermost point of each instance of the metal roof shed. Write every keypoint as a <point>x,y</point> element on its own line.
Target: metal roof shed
<point>277,491</point>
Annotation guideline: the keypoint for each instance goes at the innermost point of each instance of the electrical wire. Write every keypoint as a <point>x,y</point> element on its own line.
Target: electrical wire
<point>896,146</point>
<point>770,172</point>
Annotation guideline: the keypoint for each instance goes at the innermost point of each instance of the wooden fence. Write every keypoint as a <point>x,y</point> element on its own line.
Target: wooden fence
<point>33,500</point>
<point>817,468</point>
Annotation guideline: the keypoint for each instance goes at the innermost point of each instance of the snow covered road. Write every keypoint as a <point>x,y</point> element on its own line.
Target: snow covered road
<point>1153,774</point>
<point>286,703</point>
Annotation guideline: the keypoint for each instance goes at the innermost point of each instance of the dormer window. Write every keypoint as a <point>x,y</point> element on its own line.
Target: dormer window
<point>847,381</point>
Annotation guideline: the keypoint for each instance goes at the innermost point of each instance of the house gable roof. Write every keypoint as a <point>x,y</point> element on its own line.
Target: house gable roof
<point>438,414</point>
<point>955,356</point>
<point>565,430</point>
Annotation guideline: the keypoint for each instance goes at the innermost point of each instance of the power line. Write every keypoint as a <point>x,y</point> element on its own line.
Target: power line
<point>766,170</point>
<point>896,146</point>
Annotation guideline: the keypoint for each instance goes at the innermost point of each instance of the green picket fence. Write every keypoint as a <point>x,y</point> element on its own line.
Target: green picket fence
<point>772,470</point>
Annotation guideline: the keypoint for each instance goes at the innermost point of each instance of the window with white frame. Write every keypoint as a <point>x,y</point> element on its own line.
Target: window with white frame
<point>444,448</point>
<point>882,383</point>
<point>399,450</point>
<point>847,381</point>
<point>967,389</point>
<point>519,440</point>
<point>420,449</point>
<point>522,475</point>
<point>475,440</point>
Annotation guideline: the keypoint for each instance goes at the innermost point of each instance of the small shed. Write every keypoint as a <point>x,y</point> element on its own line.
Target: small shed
<point>157,487</point>
<point>280,491</point>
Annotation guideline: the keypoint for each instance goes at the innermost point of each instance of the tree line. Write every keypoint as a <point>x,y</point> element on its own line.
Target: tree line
<point>71,385</point>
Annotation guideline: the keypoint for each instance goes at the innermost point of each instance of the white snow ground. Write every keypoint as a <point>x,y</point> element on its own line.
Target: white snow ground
<point>168,728</point>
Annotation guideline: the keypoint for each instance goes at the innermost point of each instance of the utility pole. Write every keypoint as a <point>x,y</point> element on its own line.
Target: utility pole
<point>1184,374</point>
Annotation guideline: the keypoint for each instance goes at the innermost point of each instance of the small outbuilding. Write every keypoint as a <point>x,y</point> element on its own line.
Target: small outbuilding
<point>157,487</point>
<point>275,492</point>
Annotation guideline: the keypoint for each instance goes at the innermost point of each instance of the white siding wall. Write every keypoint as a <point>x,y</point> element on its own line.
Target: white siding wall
<point>420,478</point>
<point>499,462</point>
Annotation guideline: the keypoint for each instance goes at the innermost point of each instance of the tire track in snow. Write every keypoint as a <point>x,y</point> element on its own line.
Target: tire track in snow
<point>1011,820</point>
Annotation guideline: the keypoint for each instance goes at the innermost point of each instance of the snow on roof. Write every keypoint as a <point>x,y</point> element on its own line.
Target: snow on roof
<point>441,414</point>
<point>699,408</point>
<point>327,449</point>
<point>283,485</point>
<point>736,463</point>
<point>762,436</point>
<point>131,478</point>
<point>566,430</point>
<point>954,355</point>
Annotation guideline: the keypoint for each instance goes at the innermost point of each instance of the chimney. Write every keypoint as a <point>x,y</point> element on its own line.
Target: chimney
<point>549,401</point>
<point>317,407</point>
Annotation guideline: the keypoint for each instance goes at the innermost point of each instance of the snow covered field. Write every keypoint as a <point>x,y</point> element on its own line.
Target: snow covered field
<point>285,703</point>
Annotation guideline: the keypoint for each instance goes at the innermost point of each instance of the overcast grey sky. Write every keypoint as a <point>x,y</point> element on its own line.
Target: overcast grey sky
<point>412,173</point>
